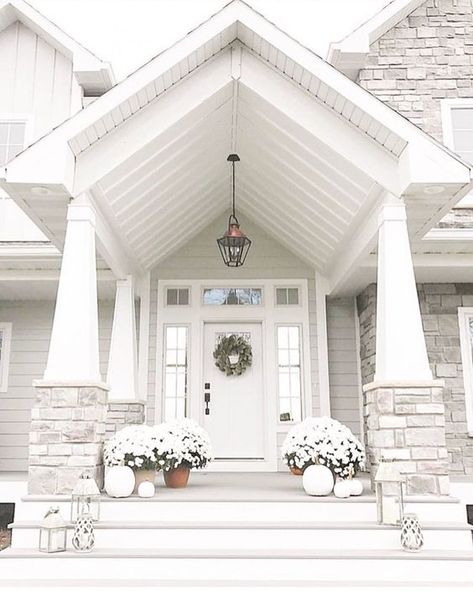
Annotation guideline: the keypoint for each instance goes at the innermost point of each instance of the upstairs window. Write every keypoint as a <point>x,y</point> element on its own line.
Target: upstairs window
<point>5,341</point>
<point>12,139</point>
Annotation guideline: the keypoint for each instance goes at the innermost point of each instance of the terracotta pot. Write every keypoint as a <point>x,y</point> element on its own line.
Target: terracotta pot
<point>143,476</point>
<point>177,478</point>
<point>296,471</point>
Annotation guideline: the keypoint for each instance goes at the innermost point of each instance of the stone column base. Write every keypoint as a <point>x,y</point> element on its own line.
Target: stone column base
<point>67,433</point>
<point>407,424</point>
<point>122,413</point>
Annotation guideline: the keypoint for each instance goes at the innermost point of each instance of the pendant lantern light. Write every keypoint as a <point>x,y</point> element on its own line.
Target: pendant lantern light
<point>233,245</point>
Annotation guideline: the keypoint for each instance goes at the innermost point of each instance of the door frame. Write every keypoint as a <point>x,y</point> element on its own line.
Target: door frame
<point>196,314</point>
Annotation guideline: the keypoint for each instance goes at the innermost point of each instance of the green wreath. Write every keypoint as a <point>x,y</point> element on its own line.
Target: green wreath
<point>233,345</point>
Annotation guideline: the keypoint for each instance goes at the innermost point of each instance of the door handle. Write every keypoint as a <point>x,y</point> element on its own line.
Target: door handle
<point>207,397</point>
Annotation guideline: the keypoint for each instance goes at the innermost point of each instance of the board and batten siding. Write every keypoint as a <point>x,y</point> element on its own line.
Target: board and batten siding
<point>31,330</point>
<point>36,80</point>
<point>200,259</point>
<point>344,375</point>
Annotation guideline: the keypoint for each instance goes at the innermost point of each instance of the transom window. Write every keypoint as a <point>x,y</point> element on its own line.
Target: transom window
<point>12,139</point>
<point>5,342</point>
<point>287,296</point>
<point>233,296</point>
<point>175,372</point>
<point>177,296</point>
<point>289,370</point>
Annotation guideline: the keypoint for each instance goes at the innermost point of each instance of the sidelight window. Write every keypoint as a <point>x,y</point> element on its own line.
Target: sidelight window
<point>175,372</point>
<point>289,373</point>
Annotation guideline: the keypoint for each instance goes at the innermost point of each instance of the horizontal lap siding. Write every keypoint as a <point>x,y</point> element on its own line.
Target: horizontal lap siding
<point>31,330</point>
<point>343,366</point>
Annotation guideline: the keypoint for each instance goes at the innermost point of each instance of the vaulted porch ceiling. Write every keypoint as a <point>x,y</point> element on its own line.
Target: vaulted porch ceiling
<point>318,154</point>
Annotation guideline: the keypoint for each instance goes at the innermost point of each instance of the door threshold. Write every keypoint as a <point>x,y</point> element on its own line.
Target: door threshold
<point>242,466</point>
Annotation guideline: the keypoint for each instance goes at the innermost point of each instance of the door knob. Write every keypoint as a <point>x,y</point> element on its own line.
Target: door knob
<point>207,398</point>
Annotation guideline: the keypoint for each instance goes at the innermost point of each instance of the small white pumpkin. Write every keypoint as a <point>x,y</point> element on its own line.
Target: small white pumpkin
<point>356,487</point>
<point>342,489</point>
<point>119,481</point>
<point>146,490</point>
<point>317,481</point>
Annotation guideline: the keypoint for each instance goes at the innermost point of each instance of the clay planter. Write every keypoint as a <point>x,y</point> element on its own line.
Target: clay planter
<point>177,478</point>
<point>296,471</point>
<point>143,476</point>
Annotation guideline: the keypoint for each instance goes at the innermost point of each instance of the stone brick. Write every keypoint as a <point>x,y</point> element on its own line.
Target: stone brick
<point>79,432</point>
<point>42,480</point>
<point>430,408</point>
<point>421,484</point>
<point>425,436</point>
<point>64,397</point>
<point>391,422</point>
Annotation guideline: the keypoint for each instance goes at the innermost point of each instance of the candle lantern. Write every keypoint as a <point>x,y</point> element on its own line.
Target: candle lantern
<point>85,498</point>
<point>53,532</point>
<point>389,493</point>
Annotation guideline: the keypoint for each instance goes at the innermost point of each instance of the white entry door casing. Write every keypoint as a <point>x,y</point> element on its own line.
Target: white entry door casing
<point>236,420</point>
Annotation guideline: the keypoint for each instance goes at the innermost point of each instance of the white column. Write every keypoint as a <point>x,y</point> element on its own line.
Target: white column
<point>321,290</point>
<point>122,376</point>
<point>74,347</point>
<point>143,344</point>
<point>401,354</point>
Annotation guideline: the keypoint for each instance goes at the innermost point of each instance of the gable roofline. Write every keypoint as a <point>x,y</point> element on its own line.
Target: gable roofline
<point>349,54</point>
<point>93,74</point>
<point>104,115</point>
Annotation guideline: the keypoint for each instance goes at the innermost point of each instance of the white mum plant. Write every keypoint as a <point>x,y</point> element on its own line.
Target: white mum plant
<point>323,441</point>
<point>134,446</point>
<point>182,443</point>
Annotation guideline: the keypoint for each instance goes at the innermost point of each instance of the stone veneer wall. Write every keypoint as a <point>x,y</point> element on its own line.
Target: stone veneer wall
<point>426,57</point>
<point>439,305</point>
<point>122,414</point>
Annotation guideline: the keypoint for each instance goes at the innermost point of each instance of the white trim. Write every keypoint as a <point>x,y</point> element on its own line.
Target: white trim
<point>321,291</point>
<point>6,329</point>
<point>361,401</point>
<point>450,234</point>
<point>144,293</point>
<point>467,362</point>
<point>196,315</point>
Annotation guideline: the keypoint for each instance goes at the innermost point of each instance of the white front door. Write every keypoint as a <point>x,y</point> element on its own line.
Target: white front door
<point>236,409</point>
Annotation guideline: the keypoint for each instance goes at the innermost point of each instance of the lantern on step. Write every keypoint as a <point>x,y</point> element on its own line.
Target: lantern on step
<point>389,493</point>
<point>233,245</point>
<point>53,532</point>
<point>85,498</point>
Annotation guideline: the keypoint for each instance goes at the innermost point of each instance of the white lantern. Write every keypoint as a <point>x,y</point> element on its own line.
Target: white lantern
<point>85,498</point>
<point>389,493</point>
<point>53,532</point>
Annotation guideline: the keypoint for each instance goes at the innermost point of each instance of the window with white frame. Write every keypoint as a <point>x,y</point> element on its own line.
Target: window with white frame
<point>175,372</point>
<point>465,319</point>
<point>457,127</point>
<point>5,343</point>
<point>12,138</point>
<point>289,373</point>
<point>287,296</point>
<point>177,296</point>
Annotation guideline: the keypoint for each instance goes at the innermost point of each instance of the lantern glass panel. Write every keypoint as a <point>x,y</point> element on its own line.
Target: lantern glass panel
<point>85,504</point>
<point>52,539</point>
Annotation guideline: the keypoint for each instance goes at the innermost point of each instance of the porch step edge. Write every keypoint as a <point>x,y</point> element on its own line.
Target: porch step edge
<point>252,525</point>
<point>235,554</point>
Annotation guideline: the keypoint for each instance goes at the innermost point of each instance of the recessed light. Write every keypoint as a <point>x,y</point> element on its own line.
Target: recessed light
<point>41,191</point>
<point>434,189</point>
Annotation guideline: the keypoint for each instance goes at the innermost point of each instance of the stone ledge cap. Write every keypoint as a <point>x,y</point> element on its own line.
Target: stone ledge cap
<point>70,384</point>
<point>126,401</point>
<point>404,384</point>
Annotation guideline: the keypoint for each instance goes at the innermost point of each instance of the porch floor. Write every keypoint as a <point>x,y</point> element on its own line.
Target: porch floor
<point>243,486</point>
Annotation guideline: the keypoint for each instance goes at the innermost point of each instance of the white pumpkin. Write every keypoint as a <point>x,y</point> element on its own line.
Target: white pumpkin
<point>356,487</point>
<point>146,489</point>
<point>342,489</point>
<point>119,481</point>
<point>317,481</point>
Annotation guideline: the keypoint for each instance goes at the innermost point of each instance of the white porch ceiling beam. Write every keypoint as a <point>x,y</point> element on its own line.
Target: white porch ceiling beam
<point>192,94</point>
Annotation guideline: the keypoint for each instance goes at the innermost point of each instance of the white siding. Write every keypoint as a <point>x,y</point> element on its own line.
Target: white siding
<point>31,330</point>
<point>200,259</point>
<point>343,366</point>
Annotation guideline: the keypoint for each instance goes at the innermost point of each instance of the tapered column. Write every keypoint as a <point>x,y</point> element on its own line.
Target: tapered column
<point>403,407</point>
<point>401,353</point>
<point>69,417</point>
<point>122,377</point>
<point>74,347</point>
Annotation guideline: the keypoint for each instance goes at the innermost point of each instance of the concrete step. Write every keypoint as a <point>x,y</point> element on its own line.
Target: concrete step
<point>256,535</point>
<point>228,567</point>
<point>428,509</point>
